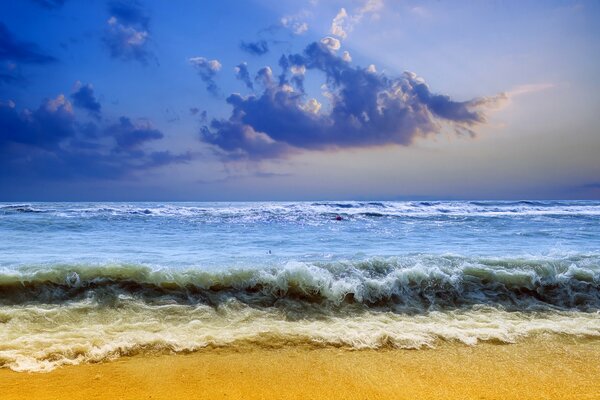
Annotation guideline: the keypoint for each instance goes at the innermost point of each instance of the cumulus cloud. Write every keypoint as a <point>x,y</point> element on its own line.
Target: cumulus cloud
<point>44,128</point>
<point>127,31</point>
<point>343,23</point>
<point>14,53</point>
<point>83,97</point>
<point>366,109</point>
<point>207,69</point>
<point>241,72</point>
<point>331,43</point>
<point>49,142</point>
<point>257,48</point>
<point>337,25</point>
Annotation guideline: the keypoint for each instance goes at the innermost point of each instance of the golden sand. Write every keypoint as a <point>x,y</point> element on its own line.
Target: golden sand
<point>550,368</point>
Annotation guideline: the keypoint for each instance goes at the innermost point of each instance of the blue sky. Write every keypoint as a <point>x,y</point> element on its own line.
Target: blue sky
<point>364,99</point>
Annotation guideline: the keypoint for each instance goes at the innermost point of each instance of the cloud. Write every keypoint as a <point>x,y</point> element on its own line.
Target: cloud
<point>529,88</point>
<point>127,31</point>
<point>256,48</point>
<point>43,128</point>
<point>592,185</point>
<point>294,23</point>
<point>343,23</point>
<point>331,43</point>
<point>83,97</point>
<point>366,109</point>
<point>241,72</point>
<point>14,53</point>
<point>49,142</point>
<point>50,4</point>
<point>337,25</point>
<point>207,69</point>
<point>9,74</point>
<point>130,136</point>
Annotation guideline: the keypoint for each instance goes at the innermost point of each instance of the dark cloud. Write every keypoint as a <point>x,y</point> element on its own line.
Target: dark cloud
<point>10,74</point>
<point>14,52</point>
<point>592,185</point>
<point>49,143</point>
<point>203,114</point>
<point>127,32</point>
<point>207,69</point>
<point>131,137</point>
<point>366,109</point>
<point>43,128</point>
<point>50,4</point>
<point>83,97</point>
<point>243,75</point>
<point>256,48</point>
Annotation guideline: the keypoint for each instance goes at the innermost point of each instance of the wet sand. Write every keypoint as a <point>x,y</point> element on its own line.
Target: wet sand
<point>548,368</point>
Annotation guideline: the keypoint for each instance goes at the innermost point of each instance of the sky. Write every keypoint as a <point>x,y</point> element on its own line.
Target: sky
<point>123,100</point>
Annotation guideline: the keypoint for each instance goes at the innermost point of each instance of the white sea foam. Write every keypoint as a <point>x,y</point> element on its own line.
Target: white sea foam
<point>42,337</point>
<point>248,212</point>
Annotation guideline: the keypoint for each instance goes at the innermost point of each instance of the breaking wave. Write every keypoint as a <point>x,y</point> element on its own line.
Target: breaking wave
<point>406,284</point>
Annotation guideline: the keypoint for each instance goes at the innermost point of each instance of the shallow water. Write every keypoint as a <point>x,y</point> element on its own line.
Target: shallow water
<point>90,281</point>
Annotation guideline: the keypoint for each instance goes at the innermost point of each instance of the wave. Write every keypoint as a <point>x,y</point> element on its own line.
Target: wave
<point>41,338</point>
<point>409,284</point>
<point>53,315</point>
<point>19,208</point>
<point>249,212</point>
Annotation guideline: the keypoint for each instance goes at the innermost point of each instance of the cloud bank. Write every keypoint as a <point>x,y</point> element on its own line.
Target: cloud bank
<point>49,142</point>
<point>365,109</point>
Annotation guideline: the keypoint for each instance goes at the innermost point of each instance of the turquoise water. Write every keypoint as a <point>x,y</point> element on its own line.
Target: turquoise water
<point>92,281</point>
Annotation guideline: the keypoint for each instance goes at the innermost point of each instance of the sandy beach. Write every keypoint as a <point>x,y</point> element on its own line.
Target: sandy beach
<point>551,368</point>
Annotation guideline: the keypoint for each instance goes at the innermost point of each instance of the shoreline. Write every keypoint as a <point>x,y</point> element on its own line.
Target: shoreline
<point>548,367</point>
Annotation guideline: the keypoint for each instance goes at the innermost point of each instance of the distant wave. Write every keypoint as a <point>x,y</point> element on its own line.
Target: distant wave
<point>318,211</point>
<point>407,284</point>
<point>19,208</point>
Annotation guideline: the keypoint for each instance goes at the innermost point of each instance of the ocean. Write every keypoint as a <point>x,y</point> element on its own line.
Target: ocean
<point>88,282</point>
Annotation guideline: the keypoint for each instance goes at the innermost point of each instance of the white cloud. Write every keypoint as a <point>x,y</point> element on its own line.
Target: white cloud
<point>298,69</point>
<point>338,24</point>
<point>201,62</point>
<point>343,23</point>
<point>332,44</point>
<point>60,102</point>
<point>312,106</point>
<point>293,23</point>
<point>530,88</point>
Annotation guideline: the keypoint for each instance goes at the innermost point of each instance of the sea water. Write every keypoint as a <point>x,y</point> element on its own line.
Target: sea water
<point>85,282</point>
